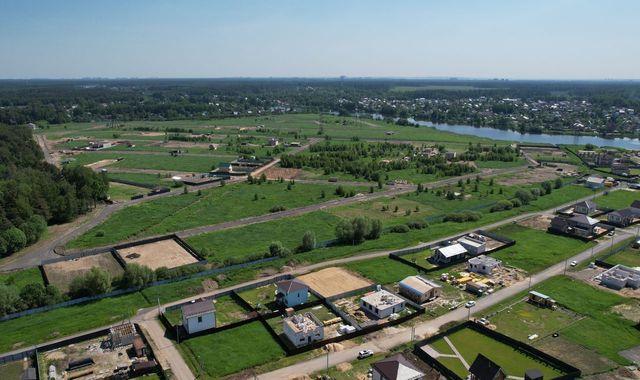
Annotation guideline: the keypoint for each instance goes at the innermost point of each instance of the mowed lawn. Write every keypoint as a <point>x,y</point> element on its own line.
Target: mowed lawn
<point>470,343</point>
<point>603,331</point>
<point>216,205</point>
<point>121,192</point>
<point>381,270</point>
<point>536,250</point>
<point>230,351</point>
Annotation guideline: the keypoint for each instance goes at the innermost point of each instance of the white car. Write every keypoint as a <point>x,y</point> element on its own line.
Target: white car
<point>483,321</point>
<point>573,263</point>
<point>470,304</point>
<point>364,354</point>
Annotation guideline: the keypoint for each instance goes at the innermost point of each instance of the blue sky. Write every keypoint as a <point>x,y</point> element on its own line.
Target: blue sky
<point>554,39</point>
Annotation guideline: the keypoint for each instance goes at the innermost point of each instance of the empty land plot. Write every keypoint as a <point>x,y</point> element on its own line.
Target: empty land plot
<point>21,278</point>
<point>382,270</point>
<point>470,343</point>
<point>332,281</point>
<point>164,253</point>
<point>618,199</point>
<point>538,222</point>
<point>629,257</point>
<point>537,175</point>
<point>578,356</point>
<point>62,273</point>
<point>243,347</point>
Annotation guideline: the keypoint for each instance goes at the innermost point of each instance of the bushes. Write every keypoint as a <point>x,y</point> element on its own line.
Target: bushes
<point>502,205</point>
<point>137,276</point>
<point>96,281</point>
<point>417,225</point>
<point>32,295</point>
<point>358,229</point>
<point>308,242</point>
<point>463,216</point>
<point>400,229</point>
<point>277,208</point>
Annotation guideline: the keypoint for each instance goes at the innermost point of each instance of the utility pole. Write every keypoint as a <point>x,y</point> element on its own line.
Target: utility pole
<point>565,266</point>
<point>530,277</point>
<point>327,349</point>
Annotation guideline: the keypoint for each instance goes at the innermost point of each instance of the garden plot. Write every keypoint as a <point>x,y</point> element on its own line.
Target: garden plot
<point>164,253</point>
<point>61,273</point>
<point>333,281</point>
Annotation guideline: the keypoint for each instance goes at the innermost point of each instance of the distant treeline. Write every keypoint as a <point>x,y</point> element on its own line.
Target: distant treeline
<point>62,101</point>
<point>34,193</point>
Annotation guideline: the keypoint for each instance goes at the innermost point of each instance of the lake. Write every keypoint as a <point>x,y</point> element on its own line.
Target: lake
<point>498,134</point>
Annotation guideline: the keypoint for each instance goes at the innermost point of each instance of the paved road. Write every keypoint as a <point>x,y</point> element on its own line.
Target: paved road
<point>403,335</point>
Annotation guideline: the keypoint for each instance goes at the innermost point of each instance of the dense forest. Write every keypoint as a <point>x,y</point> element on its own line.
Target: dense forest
<point>34,193</point>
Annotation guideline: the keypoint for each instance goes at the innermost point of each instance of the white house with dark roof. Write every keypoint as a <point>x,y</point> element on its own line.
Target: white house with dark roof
<point>292,292</point>
<point>396,367</point>
<point>199,315</point>
<point>448,254</point>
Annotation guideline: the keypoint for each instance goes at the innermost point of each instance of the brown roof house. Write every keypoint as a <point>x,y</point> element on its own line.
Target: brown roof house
<point>396,367</point>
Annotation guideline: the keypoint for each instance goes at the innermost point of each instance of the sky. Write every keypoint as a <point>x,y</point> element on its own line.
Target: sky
<point>521,39</point>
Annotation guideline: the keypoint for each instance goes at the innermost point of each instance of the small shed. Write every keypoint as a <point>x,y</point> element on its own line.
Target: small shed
<point>199,315</point>
<point>139,347</point>
<point>533,374</point>
<point>484,368</point>
<point>540,299</point>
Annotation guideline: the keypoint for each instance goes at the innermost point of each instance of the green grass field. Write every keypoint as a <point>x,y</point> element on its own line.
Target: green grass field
<point>618,199</point>
<point>536,250</point>
<point>629,257</point>
<point>21,278</point>
<point>155,161</point>
<point>122,192</point>
<point>470,343</point>
<point>601,322</point>
<point>36,328</point>
<point>215,205</point>
<point>523,319</point>
<point>243,347</point>
<point>142,178</point>
<point>381,270</point>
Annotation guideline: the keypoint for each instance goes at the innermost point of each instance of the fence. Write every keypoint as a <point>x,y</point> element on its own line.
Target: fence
<point>570,372</point>
<point>132,183</point>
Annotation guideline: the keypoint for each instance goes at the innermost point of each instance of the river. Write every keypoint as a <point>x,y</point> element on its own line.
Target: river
<point>498,134</point>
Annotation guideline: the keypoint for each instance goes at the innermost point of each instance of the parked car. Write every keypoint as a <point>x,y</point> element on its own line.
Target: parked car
<point>612,233</point>
<point>470,304</point>
<point>483,321</point>
<point>574,263</point>
<point>364,354</point>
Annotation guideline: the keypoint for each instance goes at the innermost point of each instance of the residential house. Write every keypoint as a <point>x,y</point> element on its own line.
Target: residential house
<point>419,289</point>
<point>449,254</point>
<point>595,182</point>
<point>483,264</point>
<point>578,225</point>
<point>473,245</point>
<point>396,367</point>
<point>585,207</point>
<point>303,329</point>
<point>619,168</point>
<point>623,217</point>
<point>621,276</point>
<point>450,155</point>
<point>292,292</point>
<point>199,315</point>
<point>485,369</point>
<point>382,303</point>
